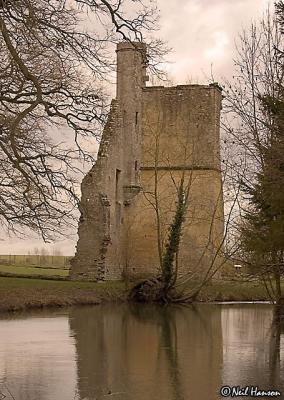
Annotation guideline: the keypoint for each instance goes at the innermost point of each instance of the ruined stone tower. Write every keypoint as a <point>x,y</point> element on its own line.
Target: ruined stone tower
<point>154,136</point>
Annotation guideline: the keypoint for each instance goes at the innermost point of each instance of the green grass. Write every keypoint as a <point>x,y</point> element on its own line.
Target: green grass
<point>234,291</point>
<point>29,270</point>
<point>22,293</point>
<point>23,283</point>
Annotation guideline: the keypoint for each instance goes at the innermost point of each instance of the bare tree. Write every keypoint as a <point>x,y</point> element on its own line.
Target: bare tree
<point>252,116</point>
<point>258,72</point>
<point>52,72</point>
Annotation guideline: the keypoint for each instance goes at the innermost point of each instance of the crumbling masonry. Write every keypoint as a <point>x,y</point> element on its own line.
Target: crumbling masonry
<point>153,137</point>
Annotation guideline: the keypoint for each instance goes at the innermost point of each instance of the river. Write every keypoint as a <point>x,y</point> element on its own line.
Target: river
<point>140,352</point>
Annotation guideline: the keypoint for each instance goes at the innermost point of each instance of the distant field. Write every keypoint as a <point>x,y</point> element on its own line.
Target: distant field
<point>38,260</point>
<point>31,270</point>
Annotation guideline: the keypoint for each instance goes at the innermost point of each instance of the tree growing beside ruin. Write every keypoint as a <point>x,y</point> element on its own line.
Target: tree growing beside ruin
<point>171,284</point>
<point>52,75</point>
<point>254,107</point>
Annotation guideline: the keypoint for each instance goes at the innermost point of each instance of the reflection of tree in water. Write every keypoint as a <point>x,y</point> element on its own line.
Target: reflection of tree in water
<point>169,342</point>
<point>165,318</point>
<point>277,329</point>
<point>191,340</point>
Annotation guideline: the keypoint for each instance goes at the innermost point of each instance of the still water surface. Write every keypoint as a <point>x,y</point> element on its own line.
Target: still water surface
<point>133,352</point>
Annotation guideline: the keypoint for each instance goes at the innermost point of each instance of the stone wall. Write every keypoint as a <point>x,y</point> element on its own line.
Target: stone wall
<point>97,193</point>
<point>180,138</point>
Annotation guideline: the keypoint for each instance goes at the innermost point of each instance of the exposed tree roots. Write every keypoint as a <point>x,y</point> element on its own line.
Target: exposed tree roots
<point>154,290</point>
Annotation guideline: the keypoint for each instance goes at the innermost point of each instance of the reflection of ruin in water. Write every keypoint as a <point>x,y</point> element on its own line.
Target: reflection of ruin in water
<point>141,352</point>
<point>176,353</point>
<point>148,352</point>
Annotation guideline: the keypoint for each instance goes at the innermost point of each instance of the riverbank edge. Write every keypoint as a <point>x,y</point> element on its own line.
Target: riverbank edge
<point>22,294</point>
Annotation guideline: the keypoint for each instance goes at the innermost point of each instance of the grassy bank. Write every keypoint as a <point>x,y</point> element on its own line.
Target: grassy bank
<point>234,291</point>
<point>22,293</point>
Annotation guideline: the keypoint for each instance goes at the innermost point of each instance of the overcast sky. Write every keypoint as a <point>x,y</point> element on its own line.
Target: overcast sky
<point>201,33</point>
